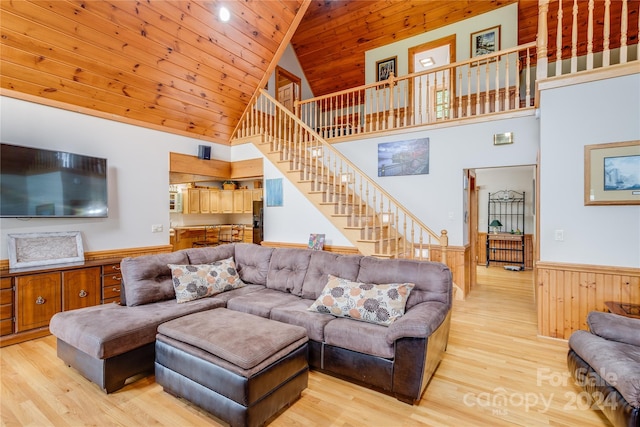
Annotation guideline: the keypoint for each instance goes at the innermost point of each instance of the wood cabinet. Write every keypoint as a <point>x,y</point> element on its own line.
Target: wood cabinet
<point>258,194</point>
<point>203,193</point>
<point>227,201</point>
<point>30,297</point>
<point>81,288</point>
<point>192,202</point>
<point>111,283</point>
<point>214,201</point>
<point>6,306</point>
<point>38,298</point>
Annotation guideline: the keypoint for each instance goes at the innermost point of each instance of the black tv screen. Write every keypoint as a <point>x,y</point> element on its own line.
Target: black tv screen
<point>44,183</point>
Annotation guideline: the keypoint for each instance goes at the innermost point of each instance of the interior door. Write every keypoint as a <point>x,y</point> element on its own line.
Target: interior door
<point>287,88</point>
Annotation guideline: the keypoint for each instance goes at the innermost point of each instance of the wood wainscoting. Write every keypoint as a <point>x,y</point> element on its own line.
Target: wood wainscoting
<point>566,293</point>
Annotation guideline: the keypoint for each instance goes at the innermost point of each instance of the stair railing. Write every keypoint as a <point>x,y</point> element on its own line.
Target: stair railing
<point>369,216</point>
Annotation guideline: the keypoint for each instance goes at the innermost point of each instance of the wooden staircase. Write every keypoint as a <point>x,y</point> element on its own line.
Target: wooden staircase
<point>368,216</point>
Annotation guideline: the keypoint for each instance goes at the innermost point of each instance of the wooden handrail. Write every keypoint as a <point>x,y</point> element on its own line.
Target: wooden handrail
<point>370,215</point>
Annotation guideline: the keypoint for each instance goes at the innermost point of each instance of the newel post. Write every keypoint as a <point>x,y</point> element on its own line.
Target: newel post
<point>444,243</point>
<point>542,39</point>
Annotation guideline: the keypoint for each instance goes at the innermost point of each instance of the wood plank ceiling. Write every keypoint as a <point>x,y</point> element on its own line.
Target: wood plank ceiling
<point>173,65</point>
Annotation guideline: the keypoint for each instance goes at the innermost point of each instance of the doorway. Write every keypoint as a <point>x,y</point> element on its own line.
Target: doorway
<point>287,88</point>
<point>431,94</point>
<point>480,182</point>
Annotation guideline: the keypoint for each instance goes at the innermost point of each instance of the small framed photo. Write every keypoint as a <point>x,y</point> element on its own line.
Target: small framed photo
<point>385,67</point>
<point>485,42</point>
<point>612,173</point>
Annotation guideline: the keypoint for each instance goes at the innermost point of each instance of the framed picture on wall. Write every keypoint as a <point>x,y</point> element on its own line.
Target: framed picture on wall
<point>485,42</point>
<point>385,67</point>
<point>612,173</point>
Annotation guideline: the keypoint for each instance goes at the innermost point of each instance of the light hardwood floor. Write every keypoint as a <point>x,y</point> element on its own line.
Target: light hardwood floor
<point>496,372</point>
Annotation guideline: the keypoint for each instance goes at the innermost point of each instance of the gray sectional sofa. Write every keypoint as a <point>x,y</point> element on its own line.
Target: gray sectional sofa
<point>605,362</point>
<point>110,344</point>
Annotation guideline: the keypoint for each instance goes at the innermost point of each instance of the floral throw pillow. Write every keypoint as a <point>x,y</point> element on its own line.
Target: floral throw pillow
<point>381,304</point>
<point>195,281</point>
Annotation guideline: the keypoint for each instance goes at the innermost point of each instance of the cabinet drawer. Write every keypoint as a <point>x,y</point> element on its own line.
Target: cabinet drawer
<point>6,311</point>
<point>5,283</point>
<point>111,268</point>
<point>6,327</point>
<point>111,291</point>
<point>6,296</point>
<point>112,301</point>
<point>111,279</point>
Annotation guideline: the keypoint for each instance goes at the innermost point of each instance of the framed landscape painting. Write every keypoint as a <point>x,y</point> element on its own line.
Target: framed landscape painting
<point>485,41</point>
<point>612,173</point>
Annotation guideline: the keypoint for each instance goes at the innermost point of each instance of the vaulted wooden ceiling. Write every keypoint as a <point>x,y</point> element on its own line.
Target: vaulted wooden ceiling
<point>173,65</point>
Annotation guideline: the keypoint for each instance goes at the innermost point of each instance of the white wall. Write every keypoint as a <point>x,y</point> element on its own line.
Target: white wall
<point>518,179</point>
<point>138,172</point>
<point>572,117</point>
<point>437,198</point>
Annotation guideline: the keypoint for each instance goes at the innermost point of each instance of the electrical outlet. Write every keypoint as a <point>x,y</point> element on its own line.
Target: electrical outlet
<point>559,235</point>
<point>156,228</point>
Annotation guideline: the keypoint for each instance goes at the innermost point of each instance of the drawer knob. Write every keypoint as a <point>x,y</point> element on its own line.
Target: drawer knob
<point>115,290</point>
<point>40,300</point>
<point>82,293</point>
<point>116,267</point>
<point>115,277</point>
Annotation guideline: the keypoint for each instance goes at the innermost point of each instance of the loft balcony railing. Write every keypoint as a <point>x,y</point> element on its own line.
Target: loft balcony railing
<point>573,36</point>
<point>499,82</point>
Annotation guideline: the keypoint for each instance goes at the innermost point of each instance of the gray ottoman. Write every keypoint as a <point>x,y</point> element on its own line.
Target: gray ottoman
<point>241,368</point>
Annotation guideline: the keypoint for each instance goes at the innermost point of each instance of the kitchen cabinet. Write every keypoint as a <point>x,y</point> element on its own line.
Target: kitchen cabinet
<point>247,201</point>
<point>203,193</point>
<point>226,201</point>
<point>258,194</point>
<point>214,201</point>
<point>192,204</point>
<point>238,201</point>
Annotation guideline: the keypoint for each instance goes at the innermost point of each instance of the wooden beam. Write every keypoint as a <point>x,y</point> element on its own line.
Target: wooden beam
<point>251,168</point>
<point>183,163</point>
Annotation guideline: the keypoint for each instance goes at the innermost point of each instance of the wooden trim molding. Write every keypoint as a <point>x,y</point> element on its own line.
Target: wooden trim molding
<point>566,293</point>
<point>113,253</point>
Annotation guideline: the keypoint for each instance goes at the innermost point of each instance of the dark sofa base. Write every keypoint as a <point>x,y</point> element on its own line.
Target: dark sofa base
<point>406,377</point>
<point>609,400</point>
<point>109,374</point>
<point>234,398</point>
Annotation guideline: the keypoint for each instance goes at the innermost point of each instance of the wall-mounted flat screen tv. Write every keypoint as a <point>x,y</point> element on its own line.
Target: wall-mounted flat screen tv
<point>50,184</point>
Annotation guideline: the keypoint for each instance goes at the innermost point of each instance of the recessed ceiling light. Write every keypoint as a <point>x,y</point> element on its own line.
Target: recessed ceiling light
<point>427,62</point>
<point>224,14</point>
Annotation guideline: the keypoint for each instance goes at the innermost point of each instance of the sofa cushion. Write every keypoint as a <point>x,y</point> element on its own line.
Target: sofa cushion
<point>297,313</point>
<point>209,254</point>
<point>104,331</point>
<point>321,265</point>
<point>617,363</point>
<point>260,303</point>
<point>432,279</point>
<point>362,337</point>
<point>615,327</point>
<point>252,262</point>
<point>247,289</point>
<point>195,281</point>
<point>148,279</point>
<point>375,303</point>
<point>287,268</point>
